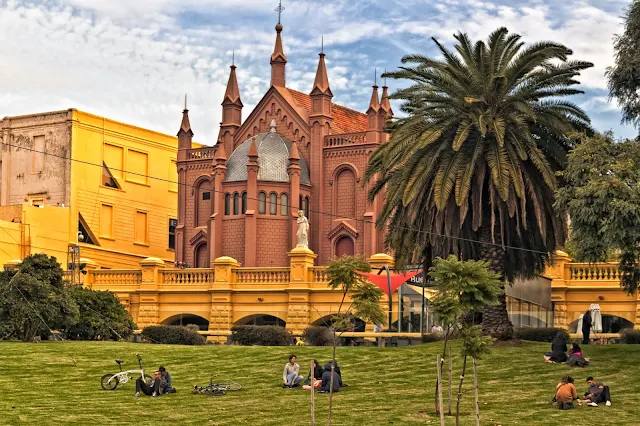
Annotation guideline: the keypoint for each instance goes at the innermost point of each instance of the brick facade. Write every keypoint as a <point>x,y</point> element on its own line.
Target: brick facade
<point>335,142</point>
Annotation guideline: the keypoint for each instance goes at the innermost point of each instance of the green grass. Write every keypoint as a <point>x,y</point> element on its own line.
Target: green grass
<point>59,383</point>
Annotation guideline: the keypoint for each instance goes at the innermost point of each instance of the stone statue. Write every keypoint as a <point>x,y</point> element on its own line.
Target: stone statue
<point>303,230</point>
<point>272,126</point>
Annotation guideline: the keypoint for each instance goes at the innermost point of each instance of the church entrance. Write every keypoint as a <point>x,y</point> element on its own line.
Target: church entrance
<point>201,257</point>
<point>344,247</point>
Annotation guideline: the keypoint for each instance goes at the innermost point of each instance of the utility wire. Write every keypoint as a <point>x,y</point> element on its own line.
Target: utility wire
<point>419,231</point>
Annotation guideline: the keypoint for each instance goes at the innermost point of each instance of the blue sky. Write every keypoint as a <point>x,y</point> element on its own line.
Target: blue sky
<point>133,61</point>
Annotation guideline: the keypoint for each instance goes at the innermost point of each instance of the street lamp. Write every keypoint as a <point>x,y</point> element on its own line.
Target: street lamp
<point>75,259</point>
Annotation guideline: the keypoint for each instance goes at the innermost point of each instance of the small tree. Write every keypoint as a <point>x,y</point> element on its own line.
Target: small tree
<point>344,273</point>
<point>34,298</point>
<point>463,287</point>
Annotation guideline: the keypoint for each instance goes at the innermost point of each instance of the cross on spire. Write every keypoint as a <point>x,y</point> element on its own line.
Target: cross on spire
<point>279,9</point>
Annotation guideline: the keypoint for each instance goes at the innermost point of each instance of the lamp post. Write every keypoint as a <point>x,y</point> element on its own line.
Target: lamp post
<point>75,259</point>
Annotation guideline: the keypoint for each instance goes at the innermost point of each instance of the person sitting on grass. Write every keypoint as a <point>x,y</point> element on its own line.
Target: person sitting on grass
<point>152,389</point>
<point>558,350</point>
<point>316,380</point>
<point>597,394</point>
<point>326,380</point>
<point>166,386</point>
<point>566,393</point>
<point>575,357</point>
<point>290,375</point>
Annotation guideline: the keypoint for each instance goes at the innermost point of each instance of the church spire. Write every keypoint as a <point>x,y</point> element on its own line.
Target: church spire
<point>232,94</point>
<point>185,134</point>
<point>373,128</point>
<point>278,58</point>
<point>321,82</point>
<point>385,105</point>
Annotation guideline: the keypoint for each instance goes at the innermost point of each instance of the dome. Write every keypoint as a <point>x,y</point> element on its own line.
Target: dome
<point>273,160</point>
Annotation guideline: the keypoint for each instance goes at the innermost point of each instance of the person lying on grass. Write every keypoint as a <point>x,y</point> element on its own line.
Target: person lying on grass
<point>566,393</point>
<point>290,375</point>
<point>597,394</point>
<point>166,386</point>
<point>152,389</point>
<point>326,380</point>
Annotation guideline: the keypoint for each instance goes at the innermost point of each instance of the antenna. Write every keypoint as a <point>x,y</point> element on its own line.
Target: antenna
<point>233,58</point>
<point>279,9</point>
<point>185,101</point>
<point>375,76</point>
<point>322,44</point>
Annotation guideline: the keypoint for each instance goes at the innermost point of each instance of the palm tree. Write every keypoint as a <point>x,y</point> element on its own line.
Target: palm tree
<point>471,168</point>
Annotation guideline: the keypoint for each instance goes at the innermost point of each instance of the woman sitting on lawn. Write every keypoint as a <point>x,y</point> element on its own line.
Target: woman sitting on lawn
<point>290,374</point>
<point>316,380</point>
<point>558,350</point>
<point>576,359</point>
<point>566,393</point>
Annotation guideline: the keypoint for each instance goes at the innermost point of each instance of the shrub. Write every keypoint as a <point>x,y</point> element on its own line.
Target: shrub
<point>173,335</point>
<point>317,336</point>
<point>543,334</point>
<point>261,335</point>
<point>630,336</point>
<point>432,337</point>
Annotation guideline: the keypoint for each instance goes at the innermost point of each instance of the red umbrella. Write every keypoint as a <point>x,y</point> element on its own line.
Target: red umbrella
<point>396,280</point>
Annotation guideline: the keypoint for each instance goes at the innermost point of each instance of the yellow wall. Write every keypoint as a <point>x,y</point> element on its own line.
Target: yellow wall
<point>132,149</point>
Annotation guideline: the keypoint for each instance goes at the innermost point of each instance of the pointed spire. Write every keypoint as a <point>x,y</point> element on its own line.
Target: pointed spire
<point>278,58</point>
<point>278,50</point>
<point>253,149</point>
<point>322,79</point>
<point>185,125</point>
<point>295,154</point>
<point>374,103</point>
<point>232,94</point>
<point>221,156</point>
<point>385,104</point>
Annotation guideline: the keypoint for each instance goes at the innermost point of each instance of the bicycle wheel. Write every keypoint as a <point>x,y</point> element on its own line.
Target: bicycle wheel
<point>229,386</point>
<point>106,385</point>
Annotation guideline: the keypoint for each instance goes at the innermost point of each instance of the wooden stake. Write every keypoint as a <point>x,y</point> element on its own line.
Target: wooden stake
<point>313,396</point>
<point>464,367</point>
<point>475,389</point>
<point>450,378</point>
<point>440,404</point>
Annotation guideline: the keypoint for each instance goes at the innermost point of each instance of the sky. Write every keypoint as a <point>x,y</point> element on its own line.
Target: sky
<point>134,60</point>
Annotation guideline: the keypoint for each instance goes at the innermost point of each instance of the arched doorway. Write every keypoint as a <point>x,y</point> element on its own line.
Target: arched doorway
<point>261,320</point>
<point>344,246</point>
<point>201,256</point>
<point>187,319</point>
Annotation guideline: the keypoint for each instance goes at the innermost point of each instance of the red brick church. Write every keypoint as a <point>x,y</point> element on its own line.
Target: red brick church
<point>294,151</point>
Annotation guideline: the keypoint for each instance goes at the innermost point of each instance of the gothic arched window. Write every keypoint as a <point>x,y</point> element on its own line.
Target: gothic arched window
<point>262,203</point>
<point>284,204</point>
<point>244,202</point>
<point>236,203</point>
<point>227,204</point>
<point>273,203</point>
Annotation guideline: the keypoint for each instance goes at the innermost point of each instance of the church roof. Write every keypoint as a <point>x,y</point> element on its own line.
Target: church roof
<point>345,120</point>
<point>273,160</point>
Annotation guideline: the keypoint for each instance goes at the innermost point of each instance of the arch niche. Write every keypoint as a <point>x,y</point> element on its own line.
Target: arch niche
<point>261,319</point>
<point>344,246</point>
<point>345,191</point>
<point>201,256</point>
<point>186,319</point>
<point>203,197</point>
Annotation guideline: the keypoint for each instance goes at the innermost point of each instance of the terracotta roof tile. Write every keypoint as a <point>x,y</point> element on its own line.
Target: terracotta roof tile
<point>345,120</point>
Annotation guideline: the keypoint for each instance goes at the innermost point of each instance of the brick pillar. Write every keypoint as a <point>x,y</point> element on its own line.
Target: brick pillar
<point>301,261</point>
<point>221,290</point>
<point>149,310</point>
<point>558,275</point>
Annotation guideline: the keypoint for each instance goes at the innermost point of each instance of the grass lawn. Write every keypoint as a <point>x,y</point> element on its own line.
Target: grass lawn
<point>59,383</point>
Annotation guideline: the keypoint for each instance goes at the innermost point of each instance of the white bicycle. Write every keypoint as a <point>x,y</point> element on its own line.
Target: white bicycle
<point>111,381</point>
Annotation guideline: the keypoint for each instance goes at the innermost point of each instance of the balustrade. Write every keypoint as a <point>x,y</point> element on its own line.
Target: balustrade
<point>187,276</point>
<point>201,153</point>
<point>345,139</point>
<point>593,272</point>
<point>107,276</point>
<point>263,275</point>
<point>319,274</point>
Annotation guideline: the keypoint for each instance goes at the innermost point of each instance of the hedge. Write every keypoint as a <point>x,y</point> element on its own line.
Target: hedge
<point>173,335</point>
<point>261,335</point>
<point>544,334</point>
<point>630,336</point>
<point>317,336</point>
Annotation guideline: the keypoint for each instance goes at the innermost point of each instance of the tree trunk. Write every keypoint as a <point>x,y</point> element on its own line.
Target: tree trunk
<point>440,404</point>
<point>475,391</point>
<point>444,351</point>
<point>450,378</point>
<point>464,367</point>
<point>495,319</point>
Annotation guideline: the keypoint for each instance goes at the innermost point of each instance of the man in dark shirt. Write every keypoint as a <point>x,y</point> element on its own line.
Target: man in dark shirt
<point>597,393</point>
<point>166,386</point>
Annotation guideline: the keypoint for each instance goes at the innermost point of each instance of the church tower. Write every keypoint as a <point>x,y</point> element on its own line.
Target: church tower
<point>385,113</point>
<point>231,111</point>
<point>278,58</point>
<point>373,124</point>
<point>185,138</point>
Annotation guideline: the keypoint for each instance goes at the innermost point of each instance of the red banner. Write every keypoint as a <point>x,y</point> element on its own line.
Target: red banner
<point>396,280</point>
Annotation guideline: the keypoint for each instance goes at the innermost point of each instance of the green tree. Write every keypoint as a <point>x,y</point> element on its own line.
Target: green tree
<point>35,299</point>
<point>344,273</point>
<point>471,169</point>
<point>101,315</point>
<point>624,76</point>
<point>602,197</point>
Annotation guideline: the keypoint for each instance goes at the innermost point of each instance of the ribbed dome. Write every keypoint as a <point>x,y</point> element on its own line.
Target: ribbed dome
<point>273,160</point>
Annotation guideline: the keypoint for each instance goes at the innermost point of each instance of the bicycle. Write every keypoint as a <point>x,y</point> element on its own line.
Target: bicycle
<point>217,389</point>
<point>111,381</point>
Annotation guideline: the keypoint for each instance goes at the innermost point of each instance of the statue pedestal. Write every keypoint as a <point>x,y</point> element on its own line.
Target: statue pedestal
<point>302,259</point>
<point>301,277</point>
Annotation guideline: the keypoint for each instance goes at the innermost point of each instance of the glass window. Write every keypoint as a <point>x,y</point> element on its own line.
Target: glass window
<point>236,203</point>
<point>206,195</point>
<point>284,204</point>
<point>172,233</point>
<point>306,207</point>
<point>262,203</point>
<point>273,203</point>
<point>227,204</point>
<point>300,206</point>
<point>244,202</point>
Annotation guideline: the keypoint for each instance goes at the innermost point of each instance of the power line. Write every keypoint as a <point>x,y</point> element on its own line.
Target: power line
<point>419,231</point>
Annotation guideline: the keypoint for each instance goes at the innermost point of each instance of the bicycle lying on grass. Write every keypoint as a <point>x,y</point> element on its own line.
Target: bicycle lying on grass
<point>216,389</point>
<point>111,381</point>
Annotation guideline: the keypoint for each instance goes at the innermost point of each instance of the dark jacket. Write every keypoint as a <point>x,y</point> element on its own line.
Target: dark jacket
<point>587,321</point>
<point>166,383</point>
<point>559,348</point>
<point>596,389</point>
<point>317,372</point>
<point>326,380</point>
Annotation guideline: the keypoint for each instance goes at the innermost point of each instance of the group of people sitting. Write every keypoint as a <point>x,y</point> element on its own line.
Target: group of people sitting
<point>574,357</point>
<point>320,379</point>
<point>159,385</point>
<point>566,393</point>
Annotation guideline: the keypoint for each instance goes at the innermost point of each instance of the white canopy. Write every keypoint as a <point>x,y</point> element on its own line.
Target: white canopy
<point>596,317</point>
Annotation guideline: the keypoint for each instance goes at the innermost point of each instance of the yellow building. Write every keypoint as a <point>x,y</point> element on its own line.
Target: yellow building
<point>113,182</point>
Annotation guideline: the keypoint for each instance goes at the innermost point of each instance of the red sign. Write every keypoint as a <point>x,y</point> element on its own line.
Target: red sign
<point>396,280</point>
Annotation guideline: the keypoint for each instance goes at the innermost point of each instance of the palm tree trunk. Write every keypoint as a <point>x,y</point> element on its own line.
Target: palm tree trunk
<point>495,319</point>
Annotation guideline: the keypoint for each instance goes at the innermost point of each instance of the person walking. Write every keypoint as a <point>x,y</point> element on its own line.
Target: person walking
<point>587,322</point>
